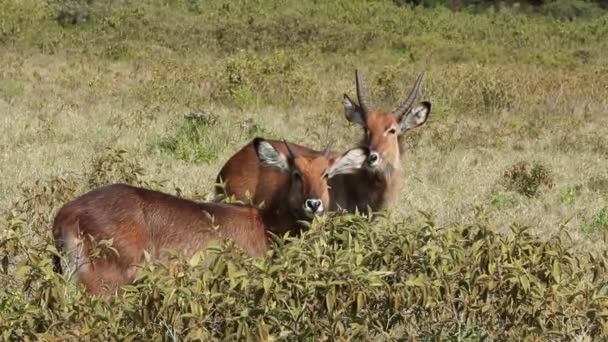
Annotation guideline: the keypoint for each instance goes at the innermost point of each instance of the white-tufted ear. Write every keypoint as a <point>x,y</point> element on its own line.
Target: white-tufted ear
<point>269,156</point>
<point>349,162</point>
<point>416,117</point>
<point>353,112</point>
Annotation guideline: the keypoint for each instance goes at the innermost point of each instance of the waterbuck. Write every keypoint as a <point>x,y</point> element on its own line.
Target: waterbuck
<point>138,219</point>
<point>373,187</point>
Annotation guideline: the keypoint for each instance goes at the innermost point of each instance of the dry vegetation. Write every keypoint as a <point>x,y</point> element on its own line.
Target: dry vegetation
<point>518,135</point>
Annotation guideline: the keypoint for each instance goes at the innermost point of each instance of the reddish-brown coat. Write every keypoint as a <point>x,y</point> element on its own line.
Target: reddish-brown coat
<point>359,190</point>
<point>249,178</point>
<point>139,220</point>
<point>374,186</point>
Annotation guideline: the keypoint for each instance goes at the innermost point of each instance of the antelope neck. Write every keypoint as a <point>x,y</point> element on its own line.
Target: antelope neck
<point>279,219</point>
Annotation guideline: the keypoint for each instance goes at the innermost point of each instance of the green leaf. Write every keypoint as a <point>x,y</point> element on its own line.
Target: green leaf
<point>267,284</point>
<point>556,271</point>
<point>195,259</point>
<point>330,300</point>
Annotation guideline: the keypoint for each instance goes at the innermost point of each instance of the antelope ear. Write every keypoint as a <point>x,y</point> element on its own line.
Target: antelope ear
<point>416,117</point>
<point>349,162</point>
<point>353,112</point>
<point>269,156</point>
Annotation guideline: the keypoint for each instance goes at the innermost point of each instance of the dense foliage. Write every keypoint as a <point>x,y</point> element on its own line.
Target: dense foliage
<point>347,277</point>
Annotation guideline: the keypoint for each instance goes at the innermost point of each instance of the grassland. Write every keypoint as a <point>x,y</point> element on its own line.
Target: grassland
<point>77,78</point>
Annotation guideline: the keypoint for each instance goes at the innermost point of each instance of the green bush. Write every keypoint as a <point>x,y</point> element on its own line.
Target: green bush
<point>193,141</point>
<point>503,200</point>
<point>569,194</point>
<point>571,9</point>
<point>73,12</point>
<point>348,277</point>
<point>596,223</point>
<point>113,166</point>
<point>248,79</point>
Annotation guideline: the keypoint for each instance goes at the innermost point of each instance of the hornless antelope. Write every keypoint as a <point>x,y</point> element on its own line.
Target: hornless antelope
<point>374,186</point>
<point>139,220</point>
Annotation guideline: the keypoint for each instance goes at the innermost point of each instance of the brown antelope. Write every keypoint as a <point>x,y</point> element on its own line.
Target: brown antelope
<point>374,186</point>
<point>139,220</point>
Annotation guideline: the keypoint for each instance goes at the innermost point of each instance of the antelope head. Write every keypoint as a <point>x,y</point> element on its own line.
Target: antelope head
<point>383,131</point>
<point>308,191</point>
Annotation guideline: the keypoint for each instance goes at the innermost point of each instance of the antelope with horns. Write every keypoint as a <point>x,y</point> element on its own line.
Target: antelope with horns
<point>139,220</point>
<point>374,186</point>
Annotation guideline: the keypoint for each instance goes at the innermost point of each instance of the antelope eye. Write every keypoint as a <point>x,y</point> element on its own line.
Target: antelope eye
<point>326,176</point>
<point>297,175</point>
<point>392,131</point>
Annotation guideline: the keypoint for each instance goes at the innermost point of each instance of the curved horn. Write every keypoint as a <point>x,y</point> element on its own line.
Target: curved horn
<point>327,150</point>
<point>292,153</point>
<point>407,104</point>
<point>361,92</point>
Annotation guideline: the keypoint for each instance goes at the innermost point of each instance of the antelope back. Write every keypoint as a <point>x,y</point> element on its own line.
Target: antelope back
<point>138,220</point>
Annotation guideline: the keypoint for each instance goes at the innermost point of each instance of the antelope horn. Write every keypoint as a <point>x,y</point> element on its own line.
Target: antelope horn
<point>361,92</point>
<point>327,150</point>
<point>292,153</point>
<point>407,104</point>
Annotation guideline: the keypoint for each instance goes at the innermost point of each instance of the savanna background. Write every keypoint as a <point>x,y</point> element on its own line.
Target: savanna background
<point>498,232</point>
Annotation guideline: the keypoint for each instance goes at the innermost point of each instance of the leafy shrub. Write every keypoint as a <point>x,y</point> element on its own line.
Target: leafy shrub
<point>249,78</point>
<point>521,179</point>
<point>348,277</point>
<point>196,140</point>
<point>114,166</point>
<point>72,12</point>
<point>596,223</point>
<point>571,9</point>
<point>569,195</point>
<point>504,200</point>
<point>193,140</point>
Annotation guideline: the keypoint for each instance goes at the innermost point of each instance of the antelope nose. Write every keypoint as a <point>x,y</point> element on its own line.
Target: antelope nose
<point>314,205</point>
<point>373,158</point>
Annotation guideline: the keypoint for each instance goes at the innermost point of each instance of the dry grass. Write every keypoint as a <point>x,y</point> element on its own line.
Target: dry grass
<point>495,104</point>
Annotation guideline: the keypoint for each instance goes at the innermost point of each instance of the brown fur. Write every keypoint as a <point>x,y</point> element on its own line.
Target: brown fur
<point>375,188</point>
<point>248,177</point>
<point>139,220</point>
